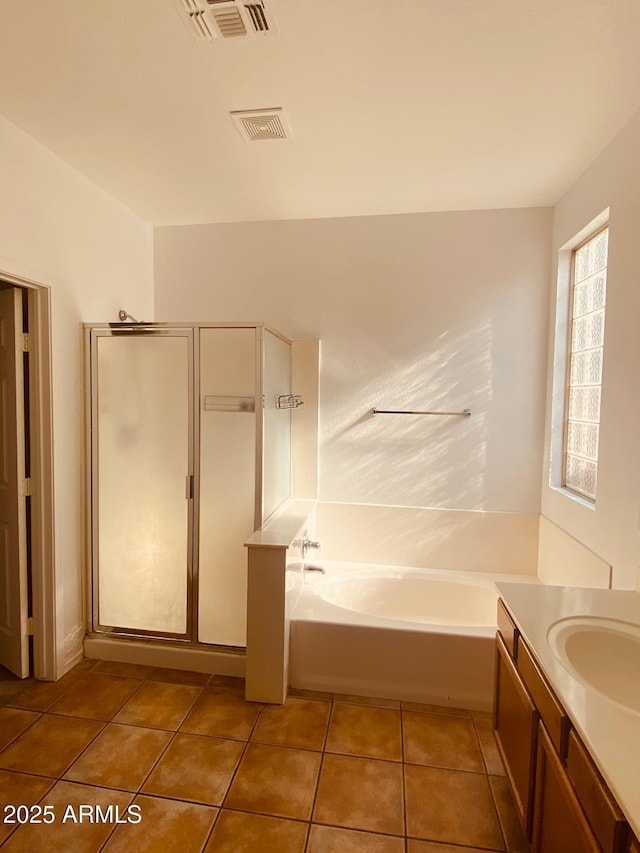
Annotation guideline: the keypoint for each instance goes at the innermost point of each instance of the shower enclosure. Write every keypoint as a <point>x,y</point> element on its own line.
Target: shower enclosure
<point>189,452</point>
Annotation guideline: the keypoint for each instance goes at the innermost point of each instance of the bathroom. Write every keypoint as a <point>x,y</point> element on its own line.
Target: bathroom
<point>447,310</point>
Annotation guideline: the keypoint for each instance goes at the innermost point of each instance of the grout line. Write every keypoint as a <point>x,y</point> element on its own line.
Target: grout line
<point>498,815</point>
<point>54,782</point>
<point>24,731</point>
<point>480,747</point>
<point>246,742</point>
<point>242,755</point>
<point>321,765</point>
<point>404,784</point>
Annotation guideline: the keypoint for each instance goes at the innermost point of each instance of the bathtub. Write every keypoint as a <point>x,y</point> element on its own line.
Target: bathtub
<point>418,635</point>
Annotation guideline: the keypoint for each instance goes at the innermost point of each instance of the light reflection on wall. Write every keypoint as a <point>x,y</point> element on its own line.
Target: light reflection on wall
<point>413,460</point>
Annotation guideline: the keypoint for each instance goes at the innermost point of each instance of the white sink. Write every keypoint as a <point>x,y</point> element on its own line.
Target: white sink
<point>602,653</point>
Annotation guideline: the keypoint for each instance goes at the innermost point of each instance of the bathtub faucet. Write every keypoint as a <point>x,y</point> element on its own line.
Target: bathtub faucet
<point>307,544</point>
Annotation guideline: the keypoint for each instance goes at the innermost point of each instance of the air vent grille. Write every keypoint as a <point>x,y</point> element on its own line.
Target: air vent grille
<point>258,125</point>
<point>258,18</point>
<point>227,19</point>
<point>200,25</point>
<point>229,22</point>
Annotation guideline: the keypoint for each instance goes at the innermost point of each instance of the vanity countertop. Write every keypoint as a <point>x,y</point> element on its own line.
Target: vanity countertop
<point>609,730</point>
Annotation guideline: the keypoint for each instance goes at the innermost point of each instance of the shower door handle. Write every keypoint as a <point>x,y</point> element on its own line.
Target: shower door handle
<point>189,487</point>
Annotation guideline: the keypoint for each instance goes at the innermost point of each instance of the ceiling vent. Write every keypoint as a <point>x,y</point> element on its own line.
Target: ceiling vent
<point>226,19</point>
<point>258,125</point>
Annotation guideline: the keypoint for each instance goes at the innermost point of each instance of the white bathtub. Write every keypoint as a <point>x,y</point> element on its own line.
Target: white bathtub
<point>418,635</point>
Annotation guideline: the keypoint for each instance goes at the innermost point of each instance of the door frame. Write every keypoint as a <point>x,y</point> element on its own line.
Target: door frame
<point>92,333</point>
<point>43,569</point>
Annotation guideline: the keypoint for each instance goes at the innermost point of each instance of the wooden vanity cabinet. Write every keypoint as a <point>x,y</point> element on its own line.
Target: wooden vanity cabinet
<point>515,722</point>
<point>559,823</point>
<point>561,799</point>
<point>634,846</point>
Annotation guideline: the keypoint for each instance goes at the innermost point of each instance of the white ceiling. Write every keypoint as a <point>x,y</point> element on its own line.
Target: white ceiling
<point>395,105</point>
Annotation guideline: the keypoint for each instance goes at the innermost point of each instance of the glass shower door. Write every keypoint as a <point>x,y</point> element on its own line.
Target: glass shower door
<point>142,454</point>
<point>276,454</point>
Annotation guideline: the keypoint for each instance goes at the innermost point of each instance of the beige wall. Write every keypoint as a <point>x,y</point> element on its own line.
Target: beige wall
<point>59,229</point>
<point>611,529</point>
<point>444,311</point>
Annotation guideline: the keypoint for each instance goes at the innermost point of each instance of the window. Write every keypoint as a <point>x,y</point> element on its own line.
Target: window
<point>584,383</point>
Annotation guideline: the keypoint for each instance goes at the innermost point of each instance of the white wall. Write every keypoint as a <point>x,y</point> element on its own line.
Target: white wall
<point>611,530</point>
<point>443,311</point>
<point>59,229</point>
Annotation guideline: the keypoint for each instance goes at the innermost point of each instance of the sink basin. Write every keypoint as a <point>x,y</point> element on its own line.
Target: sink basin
<point>602,653</point>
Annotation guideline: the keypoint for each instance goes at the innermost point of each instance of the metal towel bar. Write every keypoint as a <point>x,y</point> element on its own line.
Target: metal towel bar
<point>465,413</point>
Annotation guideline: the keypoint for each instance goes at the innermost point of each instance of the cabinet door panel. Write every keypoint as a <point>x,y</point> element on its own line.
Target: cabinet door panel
<point>552,713</point>
<point>515,721</point>
<point>559,823</point>
<point>606,819</point>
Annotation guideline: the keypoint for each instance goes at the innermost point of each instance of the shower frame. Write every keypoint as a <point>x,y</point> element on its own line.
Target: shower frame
<point>188,640</point>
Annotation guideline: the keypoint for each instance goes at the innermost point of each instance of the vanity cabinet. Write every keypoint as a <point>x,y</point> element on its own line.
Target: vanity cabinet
<point>559,822</point>
<point>516,728</point>
<point>561,799</point>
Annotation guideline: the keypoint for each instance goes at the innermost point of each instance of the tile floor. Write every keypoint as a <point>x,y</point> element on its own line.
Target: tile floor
<point>208,771</point>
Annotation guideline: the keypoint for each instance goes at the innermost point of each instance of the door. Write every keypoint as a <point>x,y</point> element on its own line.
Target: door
<point>142,457</point>
<point>14,641</point>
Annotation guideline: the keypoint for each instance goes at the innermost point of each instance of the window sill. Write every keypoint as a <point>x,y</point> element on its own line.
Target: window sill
<point>587,504</point>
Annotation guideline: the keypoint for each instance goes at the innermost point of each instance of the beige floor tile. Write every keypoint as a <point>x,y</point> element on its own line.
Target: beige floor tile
<point>131,670</point>
<point>66,835</point>
<point>419,707</point>
<point>41,695</point>
<point>367,700</point>
<point>360,793</point>
<point>365,731</point>
<point>19,789</point>
<point>179,676</point>
<point>50,745</point>
<point>166,826</point>
<point>300,723</point>
<point>95,696</point>
<point>222,713</point>
<point>509,821</point>
<point>451,806</point>
<point>237,832</point>
<point>441,741</point>
<point>228,682</point>
<point>120,757</point>
<point>195,768</point>
<point>329,839</point>
<point>14,721</point>
<point>159,706</point>
<point>489,747</point>
<point>275,780</point>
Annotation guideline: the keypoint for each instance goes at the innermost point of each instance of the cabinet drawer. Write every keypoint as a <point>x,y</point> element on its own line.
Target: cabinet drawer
<point>603,814</point>
<point>553,716</point>
<point>507,628</point>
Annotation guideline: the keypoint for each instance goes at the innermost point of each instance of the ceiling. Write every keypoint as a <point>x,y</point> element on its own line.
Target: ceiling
<point>395,106</point>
